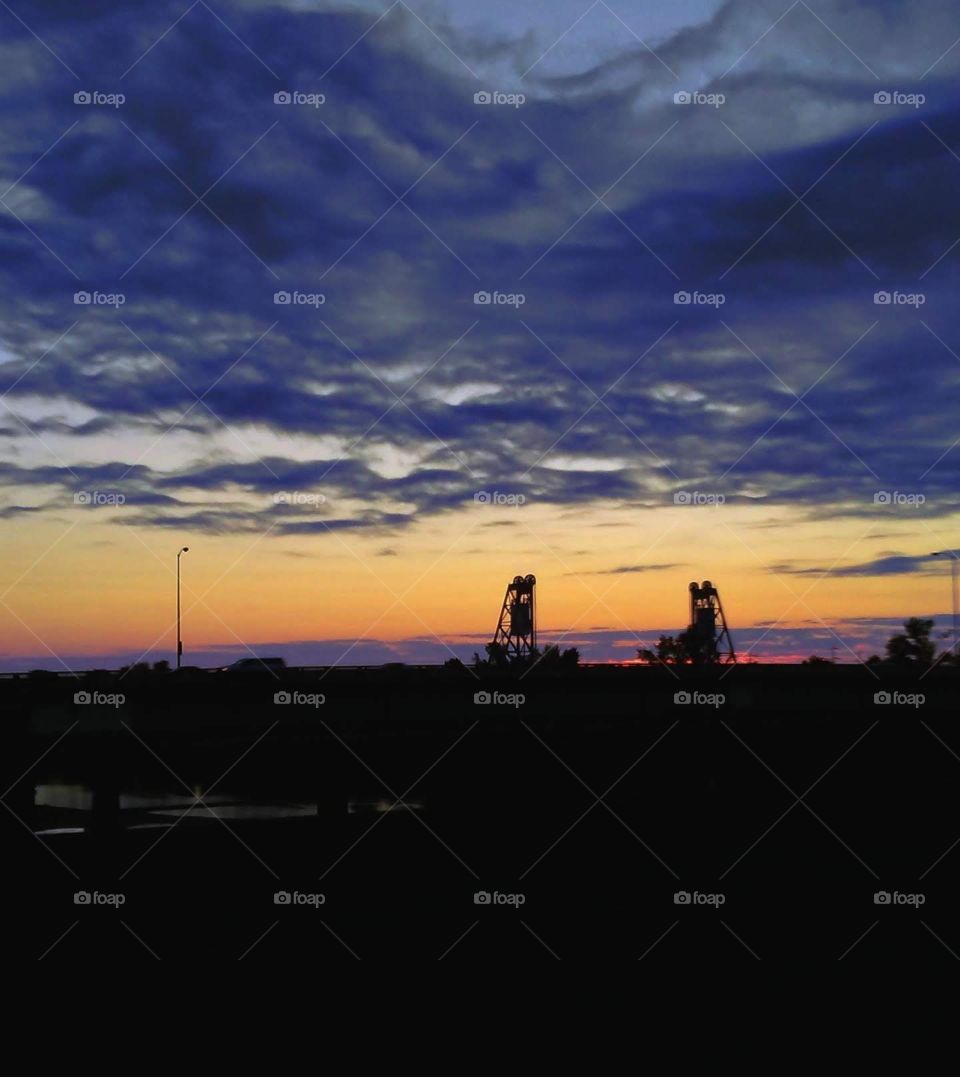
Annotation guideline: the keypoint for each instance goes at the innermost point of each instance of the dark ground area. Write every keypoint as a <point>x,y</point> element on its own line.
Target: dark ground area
<point>782,810</point>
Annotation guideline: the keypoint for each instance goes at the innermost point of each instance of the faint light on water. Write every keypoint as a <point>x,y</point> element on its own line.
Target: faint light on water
<point>380,807</point>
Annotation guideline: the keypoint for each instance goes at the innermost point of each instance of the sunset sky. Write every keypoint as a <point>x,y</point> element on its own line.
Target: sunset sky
<point>788,433</point>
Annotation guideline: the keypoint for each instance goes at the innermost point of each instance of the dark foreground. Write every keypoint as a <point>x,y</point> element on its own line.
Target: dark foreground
<point>795,820</point>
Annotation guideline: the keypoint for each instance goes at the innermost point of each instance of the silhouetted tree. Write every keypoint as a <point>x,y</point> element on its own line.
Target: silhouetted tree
<point>670,650</point>
<point>913,646</point>
<point>816,660</point>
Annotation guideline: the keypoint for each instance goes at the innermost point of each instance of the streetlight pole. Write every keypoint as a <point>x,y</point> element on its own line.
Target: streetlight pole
<point>953,589</point>
<point>183,550</point>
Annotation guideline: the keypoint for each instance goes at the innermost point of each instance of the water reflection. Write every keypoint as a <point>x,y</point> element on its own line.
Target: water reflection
<point>62,806</point>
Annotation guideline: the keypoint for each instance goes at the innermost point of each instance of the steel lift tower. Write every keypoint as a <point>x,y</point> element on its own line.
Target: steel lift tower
<point>517,628</point>
<point>708,632</point>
